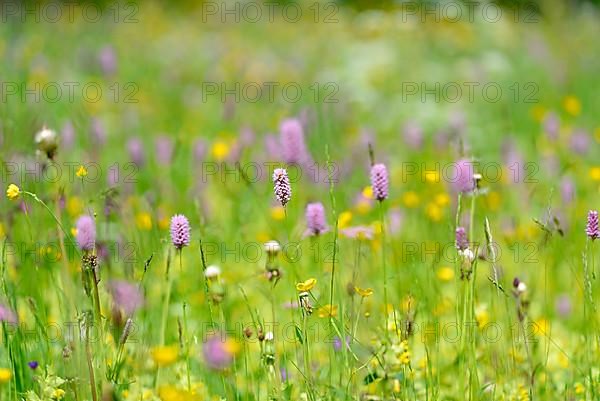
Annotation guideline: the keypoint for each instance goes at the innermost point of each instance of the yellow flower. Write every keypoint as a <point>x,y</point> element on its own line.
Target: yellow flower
<point>445,273</point>
<point>164,355</point>
<point>442,199</point>
<point>364,292</point>
<point>81,172</point>
<point>363,206</point>
<point>344,219</point>
<point>538,112</point>
<point>572,105</point>
<point>367,192</point>
<point>434,212</point>
<point>220,150</point>
<point>328,310</point>
<point>432,176</point>
<point>144,221</point>
<point>410,199</point>
<point>595,173</point>
<point>5,375</point>
<point>579,388</point>
<point>13,192</point>
<point>493,200</point>
<point>58,394</point>
<point>74,206</point>
<point>232,346</point>
<point>307,285</point>
<point>172,393</point>
<point>277,213</point>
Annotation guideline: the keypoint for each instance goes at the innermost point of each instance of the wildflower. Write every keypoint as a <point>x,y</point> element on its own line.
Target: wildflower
<point>13,192</point>
<point>434,212</point>
<point>86,233</point>
<point>7,315</point>
<point>164,149</point>
<point>445,273</point>
<point>46,141</point>
<point>281,182</point>
<point>58,394</point>
<point>164,355</point>
<point>344,218</point>
<point>364,292</point>
<point>461,241</point>
<point>144,221</point>
<point>136,151</point>
<point>463,180</point>
<point>358,232</point>
<point>5,375</point>
<point>98,131</point>
<point>413,135</point>
<point>81,172</point>
<point>379,181</point>
<point>337,343</point>
<point>519,285</point>
<point>272,247</point>
<point>367,192</point>
<point>220,150</point>
<point>277,213</point>
<point>212,271</point>
<point>126,296</point>
<point>328,311</point>
<point>219,352</point>
<point>551,124</point>
<point>579,142</point>
<point>579,388</point>
<point>199,149</point>
<point>306,285</point>
<point>591,228</point>
<point>572,105</point>
<point>180,231</point>
<point>315,219</point>
<point>107,58</point>
<point>410,199</point>
<point>293,146</point>
<point>33,365</point>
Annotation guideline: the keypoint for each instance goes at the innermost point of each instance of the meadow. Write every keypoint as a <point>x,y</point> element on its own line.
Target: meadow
<point>299,201</point>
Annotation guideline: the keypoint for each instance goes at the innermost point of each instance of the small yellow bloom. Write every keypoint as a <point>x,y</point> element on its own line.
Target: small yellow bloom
<point>442,199</point>
<point>277,213</point>
<point>307,285</point>
<point>58,394</point>
<point>538,112</point>
<point>220,150</point>
<point>445,273</point>
<point>364,292</point>
<point>144,221</point>
<point>344,219</point>
<point>367,192</point>
<point>13,192</point>
<point>81,172</point>
<point>572,105</point>
<point>595,173</point>
<point>579,388</point>
<point>410,199</point>
<point>165,355</point>
<point>232,346</point>
<point>493,200</point>
<point>363,206</point>
<point>74,206</point>
<point>434,212</point>
<point>5,375</point>
<point>328,310</point>
<point>432,176</point>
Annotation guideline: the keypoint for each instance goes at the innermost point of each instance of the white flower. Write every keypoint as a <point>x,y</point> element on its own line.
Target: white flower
<point>272,247</point>
<point>467,254</point>
<point>46,141</point>
<point>212,271</point>
<point>521,287</point>
<point>269,336</point>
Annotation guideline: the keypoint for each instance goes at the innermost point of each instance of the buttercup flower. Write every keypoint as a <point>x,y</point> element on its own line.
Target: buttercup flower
<point>306,285</point>
<point>364,292</point>
<point>180,231</point>
<point>165,355</point>
<point>13,192</point>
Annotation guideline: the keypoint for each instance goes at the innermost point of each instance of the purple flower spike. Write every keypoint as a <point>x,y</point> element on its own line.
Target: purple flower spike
<point>217,353</point>
<point>86,233</point>
<point>180,231</point>
<point>379,181</point>
<point>135,147</point>
<point>463,180</point>
<point>592,229</point>
<point>126,296</point>
<point>293,147</point>
<point>281,185</point>
<point>315,219</point>
<point>164,150</point>
<point>462,242</point>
